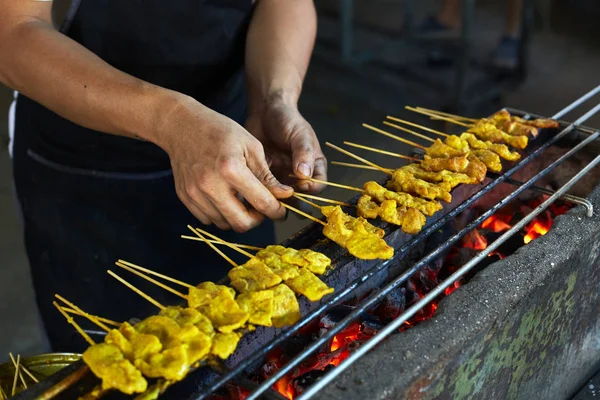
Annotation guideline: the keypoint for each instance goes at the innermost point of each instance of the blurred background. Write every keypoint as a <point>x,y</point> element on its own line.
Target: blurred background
<point>372,58</point>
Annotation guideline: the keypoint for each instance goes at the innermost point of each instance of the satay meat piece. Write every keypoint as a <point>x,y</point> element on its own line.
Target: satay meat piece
<point>454,164</point>
<point>286,310</point>
<point>189,316</point>
<point>217,302</point>
<point>259,305</point>
<point>409,219</point>
<point>280,268</point>
<point>407,182</point>
<point>309,285</point>
<point>501,149</point>
<point>487,131</point>
<point>359,237</point>
<point>253,275</point>
<point>504,121</point>
<point>224,344</point>
<point>540,123</point>
<point>380,194</point>
<point>366,207</point>
<point>109,364</point>
<point>317,262</point>
<point>452,178</point>
<point>314,261</point>
<point>440,149</point>
<point>490,160</point>
<point>457,143</point>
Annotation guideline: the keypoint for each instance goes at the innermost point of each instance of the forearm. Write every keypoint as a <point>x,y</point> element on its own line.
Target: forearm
<point>280,42</point>
<point>62,75</point>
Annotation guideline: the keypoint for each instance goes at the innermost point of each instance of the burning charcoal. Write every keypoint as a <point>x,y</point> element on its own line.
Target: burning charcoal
<point>428,278</point>
<point>392,305</point>
<point>463,255</point>
<point>305,381</point>
<point>335,315</point>
<point>370,328</point>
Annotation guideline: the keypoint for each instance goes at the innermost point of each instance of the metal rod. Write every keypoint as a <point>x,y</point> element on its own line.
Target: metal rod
<point>377,268</point>
<point>378,296</point>
<point>395,324</point>
<point>568,197</point>
<point>577,103</point>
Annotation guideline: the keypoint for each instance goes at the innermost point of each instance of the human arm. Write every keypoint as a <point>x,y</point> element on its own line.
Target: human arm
<point>65,77</point>
<point>279,45</point>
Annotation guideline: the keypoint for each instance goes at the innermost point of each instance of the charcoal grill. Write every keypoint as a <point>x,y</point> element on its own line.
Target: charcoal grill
<point>352,277</point>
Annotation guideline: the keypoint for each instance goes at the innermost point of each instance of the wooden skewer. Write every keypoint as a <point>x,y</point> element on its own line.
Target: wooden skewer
<point>14,387</point>
<point>225,243</point>
<point>359,166</point>
<point>323,199</point>
<point>409,131</point>
<point>105,320</point>
<point>424,128</point>
<point>445,114</point>
<point>212,246</point>
<point>3,395</point>
<point>75,324</point>
<point>138,291</point>
<point>387,153</point>
<point>339,185</point>
<point>18,368</point>
<point>294,209</point>
<point>438,117</point>
<point>146,277</point>
<point>398,138</point>
<point>149,271</point>
<point>90,317</point>
<point>240,246</point>
<point>29,373</point>
<point>346,152</point>
<point>309,202</point>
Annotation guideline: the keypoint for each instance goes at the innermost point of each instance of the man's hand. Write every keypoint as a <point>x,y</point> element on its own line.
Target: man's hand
<point>214,160</point>
<point>290,143</point>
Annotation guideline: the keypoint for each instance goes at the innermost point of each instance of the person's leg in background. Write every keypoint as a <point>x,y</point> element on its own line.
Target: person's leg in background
<point>506,54</point>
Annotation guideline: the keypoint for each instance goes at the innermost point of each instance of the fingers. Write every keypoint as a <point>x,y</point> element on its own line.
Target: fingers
<point>308,158</point>
<point>201,207</point>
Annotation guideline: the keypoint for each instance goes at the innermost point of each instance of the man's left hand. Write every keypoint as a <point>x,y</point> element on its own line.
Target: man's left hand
<point>290,143</point>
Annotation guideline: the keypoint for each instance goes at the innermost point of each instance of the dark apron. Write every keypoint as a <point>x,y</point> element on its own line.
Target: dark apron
<point>89,198</point>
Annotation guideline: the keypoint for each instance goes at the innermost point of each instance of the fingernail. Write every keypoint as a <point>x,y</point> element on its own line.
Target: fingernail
<point>304,187</point>
<point>285,188</point>
<point>304,169</point>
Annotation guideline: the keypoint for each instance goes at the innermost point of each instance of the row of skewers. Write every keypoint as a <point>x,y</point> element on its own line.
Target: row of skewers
<point>263,291</point>
<point>414,191</point>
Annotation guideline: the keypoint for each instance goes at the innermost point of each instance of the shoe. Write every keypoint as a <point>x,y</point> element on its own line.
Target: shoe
<point>432,28</point>
<point>506,54</point>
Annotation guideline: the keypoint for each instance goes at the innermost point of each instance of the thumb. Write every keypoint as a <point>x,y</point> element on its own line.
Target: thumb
<point>257,163</point>
<point>304,146</point>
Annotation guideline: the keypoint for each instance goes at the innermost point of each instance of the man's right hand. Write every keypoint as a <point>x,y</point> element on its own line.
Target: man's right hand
<point>214,160</point>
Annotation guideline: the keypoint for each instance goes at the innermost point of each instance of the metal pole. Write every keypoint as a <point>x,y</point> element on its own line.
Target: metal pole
<point>577,103</point>
<point>392,326</point>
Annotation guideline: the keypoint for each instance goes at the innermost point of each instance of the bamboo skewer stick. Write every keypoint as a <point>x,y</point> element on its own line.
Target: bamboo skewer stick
<point>438,117</point>
<point>387,153</point>
<point>136,290</point>
<point>419,135</point>
<point>338,185</point>
<point>146,277</point>
<point>212,246</point>
<point>241,246</point>
<point>223,242</point>
<point>349,154</point>
<point>359,166</point>
<point>90,317</point>
<point>18,368</point>
<point>149,271</point>
<point>105,320</point>
<point>14,386</point>
<point>3,395</point>
<point>75,324</point>
<point>415,125</point>
<point>323,199</point>
<point>398,138</point>
<point>445,114</point>
<point>29,373</point>
<point>294,209</point>
<point>310,202</point>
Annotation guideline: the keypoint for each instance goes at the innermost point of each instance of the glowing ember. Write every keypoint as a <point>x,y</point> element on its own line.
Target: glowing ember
<point>474,240</point>
<point>282,386</point>
<point>451,288</point>
<point>536,229</point>
<point>497,223</point>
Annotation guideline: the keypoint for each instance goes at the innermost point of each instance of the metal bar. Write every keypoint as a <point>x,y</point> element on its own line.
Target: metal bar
<point>569,197</point>
<point>259,354</point>
<point>577,103</point>
<point>392,326</point>
<point>376,297</point>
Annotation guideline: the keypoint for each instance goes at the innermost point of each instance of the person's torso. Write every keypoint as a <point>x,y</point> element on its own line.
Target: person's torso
<point>195,47</point>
